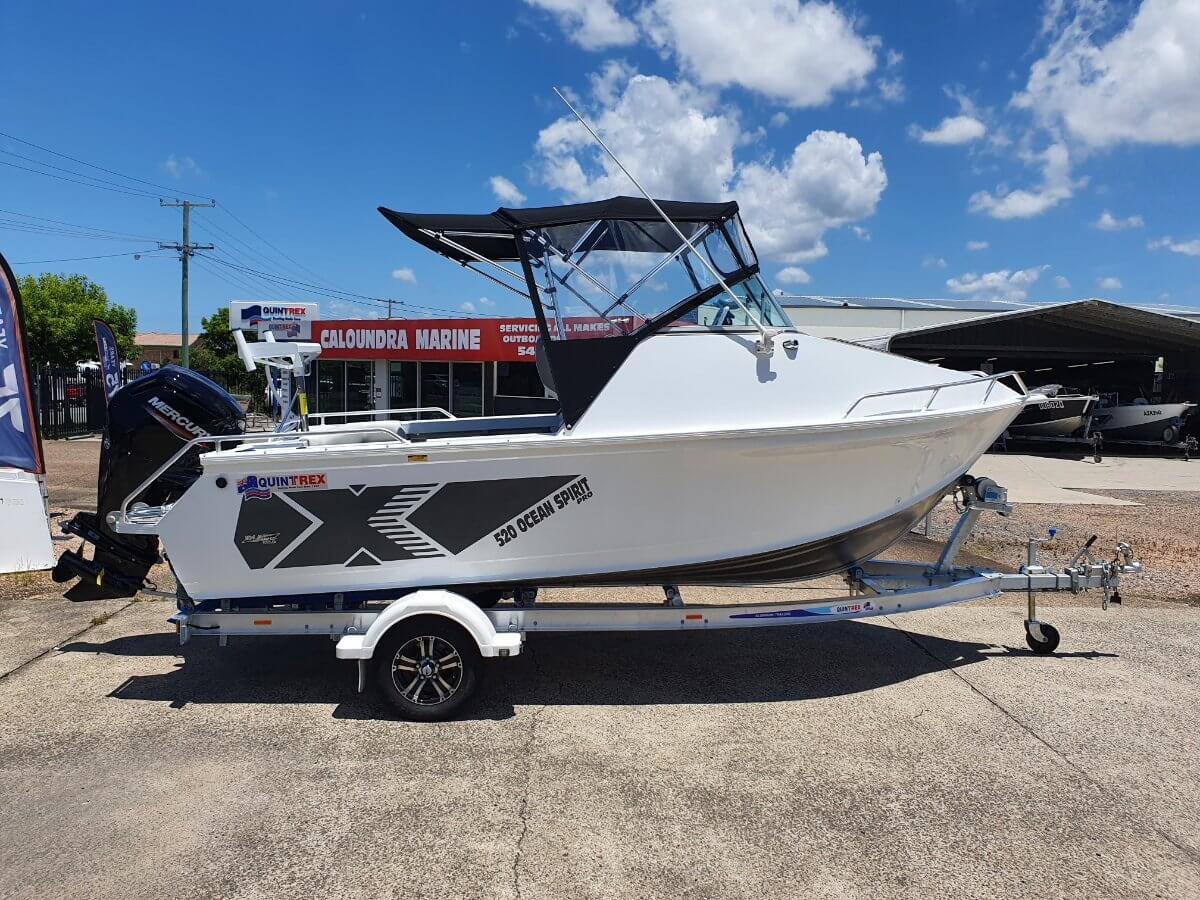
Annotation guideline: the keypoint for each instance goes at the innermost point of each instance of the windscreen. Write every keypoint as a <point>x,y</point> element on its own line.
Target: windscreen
<point>612,276</point>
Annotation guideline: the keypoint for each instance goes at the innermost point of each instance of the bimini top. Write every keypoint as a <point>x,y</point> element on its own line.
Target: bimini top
<point>604,276</point>
<point>492,236</point>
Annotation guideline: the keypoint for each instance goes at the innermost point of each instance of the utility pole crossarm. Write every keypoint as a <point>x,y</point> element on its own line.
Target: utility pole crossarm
<point>186,250</point>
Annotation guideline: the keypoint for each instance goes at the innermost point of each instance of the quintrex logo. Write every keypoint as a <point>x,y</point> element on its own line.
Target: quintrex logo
<point>259,487</point>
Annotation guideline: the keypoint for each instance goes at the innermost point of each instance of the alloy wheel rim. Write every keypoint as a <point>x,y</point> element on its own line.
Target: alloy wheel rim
<point>427,670</point>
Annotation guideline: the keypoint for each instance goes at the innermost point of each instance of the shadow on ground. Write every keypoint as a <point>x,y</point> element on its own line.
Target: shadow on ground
<point>759,666</point>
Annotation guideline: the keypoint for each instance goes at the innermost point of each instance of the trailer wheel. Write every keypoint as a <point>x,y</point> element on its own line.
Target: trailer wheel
<point>427,669</point>
<point>1040,637</point>
<point>1170,434</point>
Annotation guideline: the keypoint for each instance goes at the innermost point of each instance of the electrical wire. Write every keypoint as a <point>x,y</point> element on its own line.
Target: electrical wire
<point>158,187</point>
<point>95,228</point>
<point>76,181</point>
<point>34,262</point>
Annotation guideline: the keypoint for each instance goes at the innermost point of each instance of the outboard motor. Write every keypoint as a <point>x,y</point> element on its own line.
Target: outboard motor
<point>149,420</point>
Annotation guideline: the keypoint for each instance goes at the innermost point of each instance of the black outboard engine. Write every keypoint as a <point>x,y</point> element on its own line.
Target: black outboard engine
<point>149,420</point>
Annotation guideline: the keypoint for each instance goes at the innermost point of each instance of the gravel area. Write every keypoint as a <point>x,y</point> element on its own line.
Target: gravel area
<point>1164,533</point>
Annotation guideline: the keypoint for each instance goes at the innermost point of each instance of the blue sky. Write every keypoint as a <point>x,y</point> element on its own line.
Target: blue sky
<point>869,145</point>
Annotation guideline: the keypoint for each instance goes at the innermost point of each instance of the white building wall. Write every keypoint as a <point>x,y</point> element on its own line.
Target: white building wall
<point>852,323</point>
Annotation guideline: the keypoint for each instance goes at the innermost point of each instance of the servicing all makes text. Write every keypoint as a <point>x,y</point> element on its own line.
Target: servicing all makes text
<point>575,492</point>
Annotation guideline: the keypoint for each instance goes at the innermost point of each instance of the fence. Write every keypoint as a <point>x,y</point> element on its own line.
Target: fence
<point>69,403</point>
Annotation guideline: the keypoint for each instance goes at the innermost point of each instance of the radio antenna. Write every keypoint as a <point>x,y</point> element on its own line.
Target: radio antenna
<point>766,344</point>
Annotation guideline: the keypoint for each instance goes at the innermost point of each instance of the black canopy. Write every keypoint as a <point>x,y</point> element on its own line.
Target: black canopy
<point>493,236</point>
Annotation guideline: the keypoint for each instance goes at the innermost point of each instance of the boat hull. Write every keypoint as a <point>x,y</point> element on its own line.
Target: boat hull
<point>1143,422</point>
<point>1056,417</point>
<point>664,509</point>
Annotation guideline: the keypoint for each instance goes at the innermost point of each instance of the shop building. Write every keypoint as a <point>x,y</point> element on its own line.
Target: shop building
<point>468,367</point>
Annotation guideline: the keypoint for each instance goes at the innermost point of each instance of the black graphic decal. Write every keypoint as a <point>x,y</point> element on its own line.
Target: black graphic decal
<point>353,521</point>
<point>462,512</point>
<point>265,528</point>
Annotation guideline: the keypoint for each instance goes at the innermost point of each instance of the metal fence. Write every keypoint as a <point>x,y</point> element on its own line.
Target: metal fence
<point>69,403</point>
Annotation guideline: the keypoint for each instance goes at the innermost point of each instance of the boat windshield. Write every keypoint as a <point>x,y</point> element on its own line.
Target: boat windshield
<point>618,276</point>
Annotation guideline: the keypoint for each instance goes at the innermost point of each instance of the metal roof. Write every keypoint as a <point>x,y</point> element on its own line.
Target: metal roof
<point>819,301</point>
<point>1098,326</point>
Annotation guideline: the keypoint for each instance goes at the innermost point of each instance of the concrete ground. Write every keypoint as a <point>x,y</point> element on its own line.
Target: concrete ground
<point>923,755</point>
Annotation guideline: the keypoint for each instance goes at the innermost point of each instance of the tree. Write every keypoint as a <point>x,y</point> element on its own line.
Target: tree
<point>58,319</point>
<point>215,355</point>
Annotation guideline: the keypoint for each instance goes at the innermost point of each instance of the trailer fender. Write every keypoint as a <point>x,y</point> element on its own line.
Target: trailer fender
<point>447,605</point>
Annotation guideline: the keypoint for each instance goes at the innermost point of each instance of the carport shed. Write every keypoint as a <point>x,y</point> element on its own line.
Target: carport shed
<point>1093,345</point>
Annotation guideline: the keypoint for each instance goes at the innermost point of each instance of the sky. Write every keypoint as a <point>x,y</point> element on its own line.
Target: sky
<point>948,149</point>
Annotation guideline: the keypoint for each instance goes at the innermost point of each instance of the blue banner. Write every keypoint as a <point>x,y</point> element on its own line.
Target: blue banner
<point>20,444</point>
<point>110,358</point>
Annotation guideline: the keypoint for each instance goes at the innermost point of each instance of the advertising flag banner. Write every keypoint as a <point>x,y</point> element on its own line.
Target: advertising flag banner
<point>110,358</point>
<point>20,443</point>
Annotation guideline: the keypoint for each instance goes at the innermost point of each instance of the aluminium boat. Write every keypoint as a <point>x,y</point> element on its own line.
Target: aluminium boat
<point>701,439</point>
<point>1063,414</point>
<point>1141,420</point>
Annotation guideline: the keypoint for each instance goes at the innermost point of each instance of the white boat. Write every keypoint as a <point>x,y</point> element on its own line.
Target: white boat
<point>702,439</point>
<point>1141,420</point>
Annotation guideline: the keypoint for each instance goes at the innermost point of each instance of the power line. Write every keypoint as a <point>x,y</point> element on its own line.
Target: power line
<point>186,249</point>
<point>81,162</point>
<point>13,212</point>
<point>31,228</point>
<point>33,262</point>
<point>75,181</point>
<point>46,165</point>
<point>303,267</point>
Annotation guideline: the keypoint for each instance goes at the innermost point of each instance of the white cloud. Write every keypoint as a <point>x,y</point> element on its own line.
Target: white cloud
<point>792,275</point>
<point>486,303</point>
<point>1187,248</point>
<point>779,119</point>
<point>179,166</point>
<point>861,233</point>
<point>892,89</point>
<point>827,182</point>
<point>799,52</point>
<point>951,130</point>
<point>592,24</point>
<point>680,141</point>
<point>405,274</point>
<point>1108,222</point>
<point>1002,285</point>
<point>1061,283</point>
<point>506,192</point>
<point>977,245</point>
<point>933,262</point>
<point>342,309</point>
<point>1108,284</point>
<point>1057,185</point>
<point>1140,86</point>
<point>467,307</point>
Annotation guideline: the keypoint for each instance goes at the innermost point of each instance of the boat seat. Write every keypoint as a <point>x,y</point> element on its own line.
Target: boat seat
<point>427,429</point>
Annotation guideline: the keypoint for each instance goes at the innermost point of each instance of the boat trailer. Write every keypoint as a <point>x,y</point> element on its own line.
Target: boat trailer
<point>426,646</point>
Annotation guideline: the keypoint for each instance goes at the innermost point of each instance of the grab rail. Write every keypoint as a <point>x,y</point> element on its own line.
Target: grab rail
<point>935,388</point>
<point>319,417</point>
<point>290,438</point>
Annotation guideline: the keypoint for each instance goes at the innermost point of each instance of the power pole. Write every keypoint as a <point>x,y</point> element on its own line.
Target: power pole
<point>389,303</point>
<point>186,249</point>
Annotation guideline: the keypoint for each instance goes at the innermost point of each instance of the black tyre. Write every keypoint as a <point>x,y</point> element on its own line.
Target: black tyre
<point>1170,434</point>
<point>1041,639</point>
<point>427,669</point>
<point>486,599</point>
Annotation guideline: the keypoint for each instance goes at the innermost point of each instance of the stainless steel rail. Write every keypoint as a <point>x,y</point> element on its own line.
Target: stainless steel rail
<point>990,380</point>
<point>289,438</point>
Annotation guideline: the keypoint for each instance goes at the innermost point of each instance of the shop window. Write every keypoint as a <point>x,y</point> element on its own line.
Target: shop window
<point>518,380</point>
